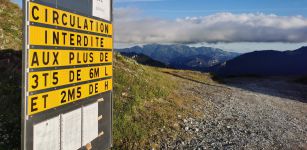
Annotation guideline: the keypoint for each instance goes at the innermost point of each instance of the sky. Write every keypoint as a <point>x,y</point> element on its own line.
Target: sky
<point>233,25</point>
<point>173,9</point>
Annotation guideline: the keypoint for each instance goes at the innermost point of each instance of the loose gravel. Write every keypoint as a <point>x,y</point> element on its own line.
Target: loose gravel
<point>250,114</point>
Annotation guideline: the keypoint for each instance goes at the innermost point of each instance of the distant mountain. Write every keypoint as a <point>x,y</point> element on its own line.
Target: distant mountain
<point>183,57</point>
<point>266,63</point>
<point>143,59</point>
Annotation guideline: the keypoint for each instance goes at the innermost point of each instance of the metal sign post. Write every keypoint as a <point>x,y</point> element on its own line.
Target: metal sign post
<point>67,74</point>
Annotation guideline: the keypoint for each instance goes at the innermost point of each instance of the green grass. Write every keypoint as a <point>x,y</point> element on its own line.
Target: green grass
<point>10,25</point>
<point>195,76</point>
<point>10,100</point>
<point>147,101</point>
<point>134,85</point>
<point>10,114</point>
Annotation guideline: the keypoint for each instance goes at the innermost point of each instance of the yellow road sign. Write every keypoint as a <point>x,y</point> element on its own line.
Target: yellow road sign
<point>44,101</point>
<point>40,58</point>
<point>67,68</point>
<point>42,36</point>
<point>51,16</point>
<point>50,79</point>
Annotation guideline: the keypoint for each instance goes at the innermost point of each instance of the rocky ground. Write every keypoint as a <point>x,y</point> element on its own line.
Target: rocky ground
<point>249,113</point>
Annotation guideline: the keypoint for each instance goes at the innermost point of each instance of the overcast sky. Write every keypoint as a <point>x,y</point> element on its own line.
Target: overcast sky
<point>240,25</point>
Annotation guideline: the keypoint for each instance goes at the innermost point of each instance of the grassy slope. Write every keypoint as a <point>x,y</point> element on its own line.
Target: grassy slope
<point>134,84</point>
<point>10,25</point>
<point>147,102</point>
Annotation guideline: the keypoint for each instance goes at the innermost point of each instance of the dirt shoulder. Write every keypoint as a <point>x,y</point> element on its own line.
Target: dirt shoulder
<point>246,113</point>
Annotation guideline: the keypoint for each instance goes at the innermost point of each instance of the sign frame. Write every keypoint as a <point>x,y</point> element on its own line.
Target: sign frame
<point>104,100</point>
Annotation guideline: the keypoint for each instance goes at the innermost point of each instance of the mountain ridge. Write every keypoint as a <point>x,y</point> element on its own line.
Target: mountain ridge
<point>266,63</point>
<point>144,59</point>
<point>183,57</point>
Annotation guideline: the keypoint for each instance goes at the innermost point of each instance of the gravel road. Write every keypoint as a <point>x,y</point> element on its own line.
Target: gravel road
<point>246,114</point>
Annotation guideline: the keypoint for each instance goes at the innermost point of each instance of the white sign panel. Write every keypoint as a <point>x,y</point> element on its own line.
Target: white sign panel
<point>46,135</point>
<point>102,9</point>
<point>89,123</point>
<point>71,130</point>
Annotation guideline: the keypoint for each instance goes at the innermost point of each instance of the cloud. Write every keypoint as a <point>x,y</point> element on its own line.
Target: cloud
<point>126,14</point>
<point>131,27</point>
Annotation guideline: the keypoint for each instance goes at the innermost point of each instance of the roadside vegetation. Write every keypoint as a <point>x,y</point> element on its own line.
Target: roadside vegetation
<point>134,86</point>
<point>10,25</point>
<point>10,99</point>
<point>148,103</point>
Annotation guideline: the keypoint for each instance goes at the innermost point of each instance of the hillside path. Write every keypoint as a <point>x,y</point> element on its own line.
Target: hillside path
<point>246,114</point>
